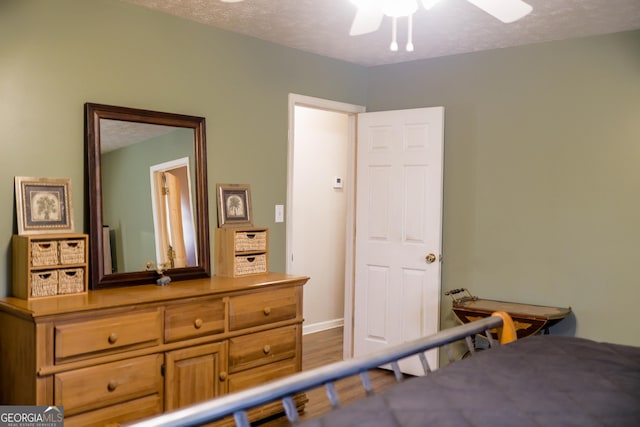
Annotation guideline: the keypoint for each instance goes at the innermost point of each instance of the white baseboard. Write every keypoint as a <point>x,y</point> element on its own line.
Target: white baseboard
<point>322,326</point>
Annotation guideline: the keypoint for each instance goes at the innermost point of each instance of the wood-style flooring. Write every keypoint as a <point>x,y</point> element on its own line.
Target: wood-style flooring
<point>322,348</point>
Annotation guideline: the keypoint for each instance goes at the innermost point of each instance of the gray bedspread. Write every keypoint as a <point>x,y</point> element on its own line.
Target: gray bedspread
<point>542,380</point>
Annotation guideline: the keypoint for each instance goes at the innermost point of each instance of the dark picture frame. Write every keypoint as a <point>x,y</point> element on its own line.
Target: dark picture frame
<point>234,205</point>
<point>43,205</point>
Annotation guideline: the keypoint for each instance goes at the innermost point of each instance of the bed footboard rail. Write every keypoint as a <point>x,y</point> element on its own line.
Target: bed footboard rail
<point>238,403</point>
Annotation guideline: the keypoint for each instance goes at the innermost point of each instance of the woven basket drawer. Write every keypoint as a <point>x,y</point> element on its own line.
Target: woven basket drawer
<point>44,283</point>
<point>251,241</point>
<point>71,251</point>
<point>250,264</point>
<point>70,280</point>
<point>44,253</point>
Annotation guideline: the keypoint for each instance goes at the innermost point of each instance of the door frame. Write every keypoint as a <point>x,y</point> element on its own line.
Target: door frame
<point>352,111</point>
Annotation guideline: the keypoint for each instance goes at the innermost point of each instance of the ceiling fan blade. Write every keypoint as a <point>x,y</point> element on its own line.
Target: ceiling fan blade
<point>367,20</point>
<point>505,10</point>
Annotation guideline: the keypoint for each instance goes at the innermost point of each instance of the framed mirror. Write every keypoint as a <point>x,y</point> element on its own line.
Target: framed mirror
<point>147,204</point>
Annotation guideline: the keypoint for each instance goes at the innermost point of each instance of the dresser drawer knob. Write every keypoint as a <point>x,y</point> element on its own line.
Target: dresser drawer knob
<point>223,376</point>
<point>267,349</point>
<point>113,338</point>
<point>198,323</point>
<point>267,311</point>
<point>112,385</point>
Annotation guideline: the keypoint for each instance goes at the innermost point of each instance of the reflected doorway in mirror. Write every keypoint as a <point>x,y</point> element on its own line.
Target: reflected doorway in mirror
<point>174,229</point>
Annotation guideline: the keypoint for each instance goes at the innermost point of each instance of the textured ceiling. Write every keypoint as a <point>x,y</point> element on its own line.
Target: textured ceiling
<point>451,27</point>
<point>115,134</point>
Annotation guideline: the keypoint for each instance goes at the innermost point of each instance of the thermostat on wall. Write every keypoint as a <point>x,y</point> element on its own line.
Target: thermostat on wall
<point>337,182</point>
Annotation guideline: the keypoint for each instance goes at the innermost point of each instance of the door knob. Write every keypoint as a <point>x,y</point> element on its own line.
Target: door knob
<point>430,258</point>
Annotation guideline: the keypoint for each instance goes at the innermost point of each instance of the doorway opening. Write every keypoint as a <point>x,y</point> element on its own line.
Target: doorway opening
<point>320,209</point>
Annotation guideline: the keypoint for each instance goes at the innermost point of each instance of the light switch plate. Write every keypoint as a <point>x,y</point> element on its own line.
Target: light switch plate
<point>279,213</point>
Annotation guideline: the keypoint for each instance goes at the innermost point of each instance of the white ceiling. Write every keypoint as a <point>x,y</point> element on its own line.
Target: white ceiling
<point>451,27</point>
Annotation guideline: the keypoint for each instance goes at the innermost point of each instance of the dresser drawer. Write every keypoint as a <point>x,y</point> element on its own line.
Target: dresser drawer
<point>249,264</point>
<point>262,348</point>
<point>115,415</point>
<point>110,334</point>
<point>255,240</point>
<point>193,319</point>
<point>257,376</point>
<point>100,386</point>
<point>258,308</point>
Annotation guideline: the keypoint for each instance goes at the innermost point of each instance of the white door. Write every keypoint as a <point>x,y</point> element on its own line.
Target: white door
<point>398,229</point>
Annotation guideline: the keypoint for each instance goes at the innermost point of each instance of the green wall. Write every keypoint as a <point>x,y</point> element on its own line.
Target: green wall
<point>542,175</point>
<point>57,55</point>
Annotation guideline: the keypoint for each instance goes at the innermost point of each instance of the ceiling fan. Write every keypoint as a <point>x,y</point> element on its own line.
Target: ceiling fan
<point>371,12</point>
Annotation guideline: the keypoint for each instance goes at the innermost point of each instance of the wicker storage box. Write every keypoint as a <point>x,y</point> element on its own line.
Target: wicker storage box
<point>49,265</point>
<point>71,251</point>
<point>71,281</point>
<point>251,264</point>
<point>251,241</point>
<point>44,283</point>
<point>44,253</point>
<point>241,251</point>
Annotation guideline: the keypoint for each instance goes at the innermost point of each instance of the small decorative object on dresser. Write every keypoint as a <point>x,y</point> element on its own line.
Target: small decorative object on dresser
<point>234,205</point>
<point>49,265</point>
<point>43,205</point>
<point>241,251</point>
<point>160,269</point>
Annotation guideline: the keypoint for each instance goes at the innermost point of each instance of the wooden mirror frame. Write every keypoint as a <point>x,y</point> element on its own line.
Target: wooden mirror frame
<point>93,186</point>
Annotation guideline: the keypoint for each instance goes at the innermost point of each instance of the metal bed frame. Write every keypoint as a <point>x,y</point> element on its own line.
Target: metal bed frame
<point>238,403</point>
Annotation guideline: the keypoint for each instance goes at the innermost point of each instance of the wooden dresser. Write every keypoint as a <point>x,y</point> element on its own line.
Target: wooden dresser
<point>118,355</point>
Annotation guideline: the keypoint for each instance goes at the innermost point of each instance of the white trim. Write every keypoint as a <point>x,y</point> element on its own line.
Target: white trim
<point>352,110</point>
<point>322,326</point>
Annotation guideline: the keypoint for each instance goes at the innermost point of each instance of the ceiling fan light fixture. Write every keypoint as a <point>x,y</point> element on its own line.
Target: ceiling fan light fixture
<point>399,8</point>
<point>391,8</point>
<point>370,14</point>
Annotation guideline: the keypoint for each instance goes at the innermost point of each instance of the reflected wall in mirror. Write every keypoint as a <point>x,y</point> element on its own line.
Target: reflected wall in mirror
<point>147,195</point>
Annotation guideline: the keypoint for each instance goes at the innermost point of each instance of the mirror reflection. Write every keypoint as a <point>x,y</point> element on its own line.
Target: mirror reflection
<point>147,195</point>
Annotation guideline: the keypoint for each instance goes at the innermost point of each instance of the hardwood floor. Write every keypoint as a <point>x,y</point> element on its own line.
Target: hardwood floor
<point>322,348</point>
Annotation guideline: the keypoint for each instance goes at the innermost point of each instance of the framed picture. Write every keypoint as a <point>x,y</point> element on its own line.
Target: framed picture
<point>43,205</point>
<point>234,205</point>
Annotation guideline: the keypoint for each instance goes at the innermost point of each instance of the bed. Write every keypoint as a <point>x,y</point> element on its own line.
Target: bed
<point>542,380</point>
